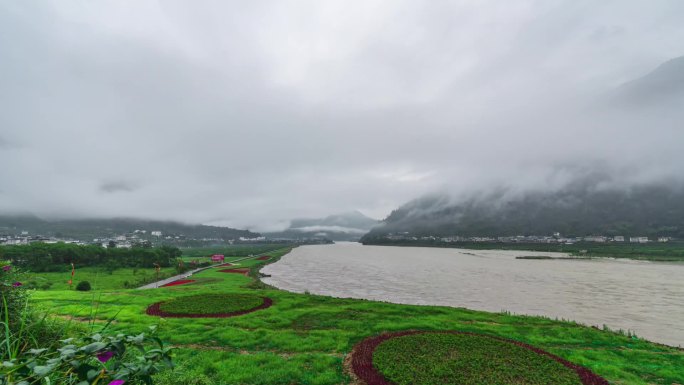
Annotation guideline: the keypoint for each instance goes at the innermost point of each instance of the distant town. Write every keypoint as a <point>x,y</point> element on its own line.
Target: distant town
<point>148,238</point>
<point>145,238</point>
<point>555,238</point>
<point>128,240</point>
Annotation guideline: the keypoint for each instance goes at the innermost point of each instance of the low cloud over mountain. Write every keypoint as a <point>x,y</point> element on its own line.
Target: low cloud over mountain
<point>341,227</point>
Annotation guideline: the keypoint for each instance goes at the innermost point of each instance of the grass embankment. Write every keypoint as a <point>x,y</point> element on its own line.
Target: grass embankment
<point>654,251</point>
<point>303,339</point>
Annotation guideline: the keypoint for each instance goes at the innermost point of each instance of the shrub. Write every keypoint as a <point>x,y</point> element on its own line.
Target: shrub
<point>83,286</point>
<point>96,359</point>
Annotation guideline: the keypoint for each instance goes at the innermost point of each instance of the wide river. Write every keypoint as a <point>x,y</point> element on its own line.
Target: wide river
<point>644,297</point>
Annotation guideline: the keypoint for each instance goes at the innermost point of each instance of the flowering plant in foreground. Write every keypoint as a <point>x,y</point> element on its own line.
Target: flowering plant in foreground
<point>13,298</point>
<point>96,359</point>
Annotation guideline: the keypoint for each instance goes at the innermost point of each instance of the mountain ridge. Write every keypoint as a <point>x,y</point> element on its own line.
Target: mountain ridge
<point>645,210</point>
<point>89,228</point>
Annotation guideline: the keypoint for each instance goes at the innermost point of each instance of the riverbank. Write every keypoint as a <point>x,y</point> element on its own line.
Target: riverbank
<point>655,251</point>
<point>303,339</point>
<point>636,296</point>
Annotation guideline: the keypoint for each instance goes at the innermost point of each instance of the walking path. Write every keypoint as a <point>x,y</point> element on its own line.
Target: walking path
<point>163,282</point>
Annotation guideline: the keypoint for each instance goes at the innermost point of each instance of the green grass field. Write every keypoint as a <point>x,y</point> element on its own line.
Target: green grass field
<point>99,278</point>
<point>303,339</point>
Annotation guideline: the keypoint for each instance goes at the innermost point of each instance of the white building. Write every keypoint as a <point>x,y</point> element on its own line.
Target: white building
<point>156,233</point>
<point>618,238</point>
<point>638,239</point>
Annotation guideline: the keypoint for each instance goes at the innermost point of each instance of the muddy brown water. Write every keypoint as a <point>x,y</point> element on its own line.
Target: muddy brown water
<point>644,297</point>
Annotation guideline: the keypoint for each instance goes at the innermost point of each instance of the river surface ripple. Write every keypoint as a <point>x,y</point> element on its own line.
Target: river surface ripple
<point>644,297</point>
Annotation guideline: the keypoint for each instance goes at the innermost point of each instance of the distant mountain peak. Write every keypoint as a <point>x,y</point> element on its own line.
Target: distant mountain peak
<point>665,84</point>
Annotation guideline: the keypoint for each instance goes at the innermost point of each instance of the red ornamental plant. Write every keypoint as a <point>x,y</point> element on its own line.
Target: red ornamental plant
<point>179,282</point>
<point>235,271</point>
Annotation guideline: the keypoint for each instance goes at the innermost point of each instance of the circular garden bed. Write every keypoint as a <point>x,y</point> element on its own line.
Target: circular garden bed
<point>209,306</point>
<point>460,358</point>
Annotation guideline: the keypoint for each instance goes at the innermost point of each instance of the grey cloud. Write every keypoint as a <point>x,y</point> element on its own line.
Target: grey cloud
<point>118,186</point>
<point>339,229</point>
<point>253,114</point>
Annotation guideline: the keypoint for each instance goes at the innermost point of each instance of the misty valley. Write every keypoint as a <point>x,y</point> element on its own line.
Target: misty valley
<point>326,192</point>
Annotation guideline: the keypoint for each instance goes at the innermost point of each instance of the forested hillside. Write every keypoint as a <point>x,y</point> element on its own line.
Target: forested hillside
<point>87,229</point>
<point>647,210</point>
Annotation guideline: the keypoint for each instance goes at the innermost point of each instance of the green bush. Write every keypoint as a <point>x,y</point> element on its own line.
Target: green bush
<point>96,359</point>
<point>83,286</point>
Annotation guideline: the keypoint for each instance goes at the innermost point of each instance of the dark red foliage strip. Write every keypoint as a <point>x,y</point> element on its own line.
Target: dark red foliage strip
<point>237,271</point>
<point>362,358</point>
<point>224,264</point>
<point>155,310</point>
<point>179,282</point>
<point>265,257</point>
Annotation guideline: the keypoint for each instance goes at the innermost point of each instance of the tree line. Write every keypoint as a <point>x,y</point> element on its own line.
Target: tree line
<point>43,257</point>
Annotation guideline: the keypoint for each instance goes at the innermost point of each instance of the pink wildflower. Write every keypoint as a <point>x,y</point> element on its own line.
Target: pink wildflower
<point>105,356</point>
<point>117,382</point>
<point>6,268</point>
<point>17,284</point>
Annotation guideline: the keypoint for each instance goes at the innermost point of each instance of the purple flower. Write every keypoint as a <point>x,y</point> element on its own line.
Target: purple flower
<point>17,284</point>
<point>6,268</point>
<point>117,382</point>
<point>105,356</point>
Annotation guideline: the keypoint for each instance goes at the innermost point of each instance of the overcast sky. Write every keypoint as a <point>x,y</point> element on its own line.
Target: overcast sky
<point>251,113</point>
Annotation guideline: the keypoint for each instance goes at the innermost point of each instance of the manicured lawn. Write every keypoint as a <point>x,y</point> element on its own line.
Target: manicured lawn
<point>457,359</point>
<point>303,339</point>
<point>211,304</point>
